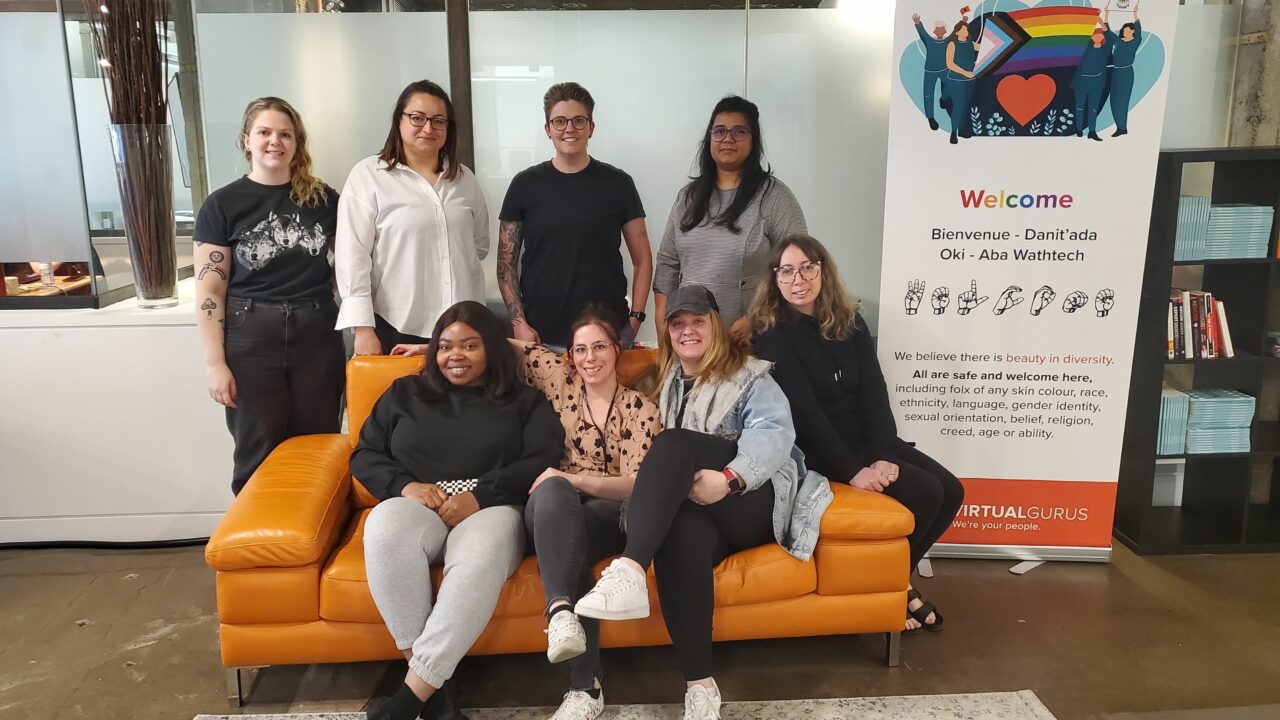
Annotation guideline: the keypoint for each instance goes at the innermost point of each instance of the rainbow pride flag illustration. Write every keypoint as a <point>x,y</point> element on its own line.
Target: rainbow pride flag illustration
<point>1039,38</point>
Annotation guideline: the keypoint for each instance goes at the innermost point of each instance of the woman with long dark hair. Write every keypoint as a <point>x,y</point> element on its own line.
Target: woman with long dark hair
<point>962,57</point>
<point>451,454</point>
<point>413,227</point>
<point>725,221</point>
<point>264,292</point>
<point>825,361</point>
<point>723,477</point>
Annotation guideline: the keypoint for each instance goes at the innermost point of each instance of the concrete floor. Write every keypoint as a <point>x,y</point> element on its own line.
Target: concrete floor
<point>133,634</point>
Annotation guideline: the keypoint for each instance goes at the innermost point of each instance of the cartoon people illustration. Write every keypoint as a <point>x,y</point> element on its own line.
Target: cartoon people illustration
<point>935,63</point>
<point>962,55</point>
<point>1124,50</point>
<point>1090,80</point>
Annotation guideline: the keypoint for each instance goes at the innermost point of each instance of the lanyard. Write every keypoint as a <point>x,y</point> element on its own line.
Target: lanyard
<point>604,440</point>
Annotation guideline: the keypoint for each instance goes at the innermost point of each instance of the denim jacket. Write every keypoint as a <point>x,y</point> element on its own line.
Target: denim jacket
<point>750,409</point>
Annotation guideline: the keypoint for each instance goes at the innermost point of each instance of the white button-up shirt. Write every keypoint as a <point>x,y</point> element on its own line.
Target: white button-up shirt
<point>405,250</point>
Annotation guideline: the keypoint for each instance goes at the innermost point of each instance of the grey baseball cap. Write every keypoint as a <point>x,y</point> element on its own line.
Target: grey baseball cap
<point>691,298</point>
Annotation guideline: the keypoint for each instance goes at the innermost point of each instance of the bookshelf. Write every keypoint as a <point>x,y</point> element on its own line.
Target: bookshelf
<point>1230,502</point>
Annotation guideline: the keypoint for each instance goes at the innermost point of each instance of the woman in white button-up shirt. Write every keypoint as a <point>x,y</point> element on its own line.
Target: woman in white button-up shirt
<point>413,228</point>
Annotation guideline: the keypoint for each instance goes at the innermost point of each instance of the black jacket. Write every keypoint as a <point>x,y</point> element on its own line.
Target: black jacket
<point>838,396</point>
<point>505,444</point>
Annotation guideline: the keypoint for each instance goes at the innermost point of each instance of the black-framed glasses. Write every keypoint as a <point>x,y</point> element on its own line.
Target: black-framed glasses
<point>560,122</point>
<point>807,271</point>
<point>737,132</point>
<point>438,122</point>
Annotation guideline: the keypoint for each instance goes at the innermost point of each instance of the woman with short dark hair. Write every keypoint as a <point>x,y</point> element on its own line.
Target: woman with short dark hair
<point>451,454</point>
<point>413,228</point>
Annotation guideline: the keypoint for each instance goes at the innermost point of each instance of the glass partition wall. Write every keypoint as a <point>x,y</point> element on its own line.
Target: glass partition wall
<point>819,70</point>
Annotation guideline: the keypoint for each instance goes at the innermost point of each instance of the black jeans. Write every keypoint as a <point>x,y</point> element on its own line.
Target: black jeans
<point>389,337</point>
<point>685,540</point>
<point>288,362</point>
<point>931,493</point>
<point>570,533</point>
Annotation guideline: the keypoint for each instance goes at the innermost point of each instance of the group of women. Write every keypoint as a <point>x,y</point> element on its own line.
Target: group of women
<point>768,390</point>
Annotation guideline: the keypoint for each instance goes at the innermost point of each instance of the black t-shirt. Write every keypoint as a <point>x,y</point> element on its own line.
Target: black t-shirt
<point>572,229</point>
<point>279,250</point>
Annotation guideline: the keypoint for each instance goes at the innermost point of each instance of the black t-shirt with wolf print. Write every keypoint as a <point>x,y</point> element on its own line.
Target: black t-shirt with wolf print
<point>279,250</point>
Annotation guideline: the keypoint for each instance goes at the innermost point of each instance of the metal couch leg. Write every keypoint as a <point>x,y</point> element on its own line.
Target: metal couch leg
<point>235,694</point>
<point>892,648</point>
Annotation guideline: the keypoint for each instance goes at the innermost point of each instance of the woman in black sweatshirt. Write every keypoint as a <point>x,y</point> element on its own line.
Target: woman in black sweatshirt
<point>825,361</point>
<point>451,454</point>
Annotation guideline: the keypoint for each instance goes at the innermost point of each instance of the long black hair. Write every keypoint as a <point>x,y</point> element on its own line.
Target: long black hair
<point>755,177</point>
<point>393,149</point>
<point>500,377</point>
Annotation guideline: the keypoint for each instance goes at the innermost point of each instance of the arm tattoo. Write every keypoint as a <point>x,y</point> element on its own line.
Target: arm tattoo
<point>211,266</point>
<point>208,306</point>
<point>509,240</point>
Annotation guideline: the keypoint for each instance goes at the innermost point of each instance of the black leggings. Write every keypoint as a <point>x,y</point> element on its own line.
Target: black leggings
<point>570,533</point>
<point>685,541</point>
<point>930,492</point>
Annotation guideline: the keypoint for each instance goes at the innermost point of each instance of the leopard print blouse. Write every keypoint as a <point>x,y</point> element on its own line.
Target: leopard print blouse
<point>628,433</point>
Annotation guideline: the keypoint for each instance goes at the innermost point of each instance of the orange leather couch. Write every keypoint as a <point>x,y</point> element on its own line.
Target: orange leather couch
<point>291,583</point>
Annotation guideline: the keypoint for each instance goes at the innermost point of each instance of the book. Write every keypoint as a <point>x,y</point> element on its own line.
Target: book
<point>1210,324</point>
<point>1227,348</point>
<point>1169,330</point>
<point>1187,346</point>
<point>1197,349</point>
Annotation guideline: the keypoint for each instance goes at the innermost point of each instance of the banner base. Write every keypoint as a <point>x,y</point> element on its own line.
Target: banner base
<point>1020,552</point>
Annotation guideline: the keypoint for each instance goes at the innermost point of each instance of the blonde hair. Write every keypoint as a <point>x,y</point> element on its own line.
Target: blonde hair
<point>834,310</point>
<point>308,190</point>
<point>723,358</point>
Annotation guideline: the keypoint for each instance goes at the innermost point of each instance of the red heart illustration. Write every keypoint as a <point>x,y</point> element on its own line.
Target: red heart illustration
<point>1025,98</point>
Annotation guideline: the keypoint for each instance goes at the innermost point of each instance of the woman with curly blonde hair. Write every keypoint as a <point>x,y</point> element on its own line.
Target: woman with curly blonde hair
<point>264,272</point>
<point>825,361</point>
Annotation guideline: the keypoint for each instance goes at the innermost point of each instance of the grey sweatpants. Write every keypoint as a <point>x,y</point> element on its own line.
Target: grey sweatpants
<point>402,539</point>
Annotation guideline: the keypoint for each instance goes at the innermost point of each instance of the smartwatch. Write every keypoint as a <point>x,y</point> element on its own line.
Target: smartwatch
<point>637,314</point>
<point>736,484</point>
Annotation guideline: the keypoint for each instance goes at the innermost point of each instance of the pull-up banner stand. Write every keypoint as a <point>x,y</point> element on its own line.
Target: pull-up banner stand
<point>1022,154</point>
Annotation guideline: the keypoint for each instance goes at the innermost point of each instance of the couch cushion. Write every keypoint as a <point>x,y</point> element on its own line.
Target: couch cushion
<point>756,575</point>
<point>864,515</point>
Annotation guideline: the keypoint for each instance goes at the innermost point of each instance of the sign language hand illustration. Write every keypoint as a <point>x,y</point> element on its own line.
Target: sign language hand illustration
<point>915,293</point>
<point>1041,299</point>
<point>1105,300</point>
<point>968,300</point>
<point>1007,300</point>
<point>1074,302</point>
<point>941,299</point>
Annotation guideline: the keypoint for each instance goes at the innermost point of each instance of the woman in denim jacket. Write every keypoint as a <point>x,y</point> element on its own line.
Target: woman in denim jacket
<point>725,476</point>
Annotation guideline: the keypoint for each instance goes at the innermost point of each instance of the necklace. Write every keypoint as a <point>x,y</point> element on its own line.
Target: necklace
<point>604,440</point>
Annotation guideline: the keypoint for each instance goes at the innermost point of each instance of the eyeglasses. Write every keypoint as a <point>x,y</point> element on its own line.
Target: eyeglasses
<point>438,122</point>
<point>808,271</point>
<point>596,348</point>
<point>580,122</point>
<point>737,132</point>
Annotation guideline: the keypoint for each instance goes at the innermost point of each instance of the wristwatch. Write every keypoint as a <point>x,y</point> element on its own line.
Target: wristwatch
<point>637,314</point>
<point>736,484</point>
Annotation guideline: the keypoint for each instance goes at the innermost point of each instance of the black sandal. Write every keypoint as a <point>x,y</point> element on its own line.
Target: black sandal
<point>922,613</point>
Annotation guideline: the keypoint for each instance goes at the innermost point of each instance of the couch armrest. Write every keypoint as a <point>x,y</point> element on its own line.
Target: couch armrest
<point>291,511</point>
<point>864,515</point>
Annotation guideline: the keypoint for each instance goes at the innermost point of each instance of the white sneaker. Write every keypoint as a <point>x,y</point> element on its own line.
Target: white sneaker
<point>702,703</point>
<point>579,705</point>
<point>565,637</point>
<point>621,594</point>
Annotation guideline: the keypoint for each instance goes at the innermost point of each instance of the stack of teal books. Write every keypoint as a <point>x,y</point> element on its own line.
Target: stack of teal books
<point>1172,438</point>
<point>1218,421</point>
<point>1238,231</point>
<point>1193,227</point>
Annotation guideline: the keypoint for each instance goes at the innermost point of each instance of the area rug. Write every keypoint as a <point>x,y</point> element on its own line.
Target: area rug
<point>1022,705</point>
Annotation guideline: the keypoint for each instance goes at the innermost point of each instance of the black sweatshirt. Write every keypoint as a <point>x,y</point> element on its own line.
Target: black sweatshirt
<point>838,397</point>
<point>505,444</point>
